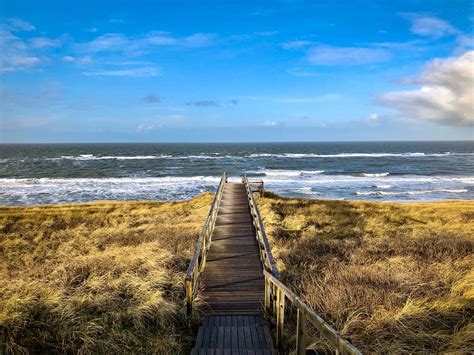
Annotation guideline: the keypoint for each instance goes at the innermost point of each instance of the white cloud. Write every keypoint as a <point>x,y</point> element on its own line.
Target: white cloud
<point>117,42</point>
<point>269,123</point>
<point>302,73</point>
<point>15,55</point>
<point>16,24</point>
<point>446,95</point>
<point>79,60</point>
<point>331,55</point>
<point>430,26</point>
<point>44,42</point>
<point>133,72</point>
<point>296,44</point>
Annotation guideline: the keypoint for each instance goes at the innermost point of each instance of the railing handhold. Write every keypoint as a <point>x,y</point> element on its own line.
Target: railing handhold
<point>198,261</point>
<point>264,246</point>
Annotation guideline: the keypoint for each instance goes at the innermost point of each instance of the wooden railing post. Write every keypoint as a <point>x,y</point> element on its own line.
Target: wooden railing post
<point>267,296</point>
<point>280,316</point>
<point>300,333</point>
<point>189,296</point>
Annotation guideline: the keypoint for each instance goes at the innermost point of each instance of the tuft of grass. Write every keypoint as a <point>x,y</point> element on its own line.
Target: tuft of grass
<point>104,277</point>
<point>391,277</point>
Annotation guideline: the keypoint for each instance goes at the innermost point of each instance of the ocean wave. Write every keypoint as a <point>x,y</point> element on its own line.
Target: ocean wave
<point>108,157</point>
<point>311,172</point>
<point>287,173</point>
<point>374,174</point>
<point>282,172</point>
<point>354,155</point>
<point>114,180</point>
<point>418,192</point>
<point>383,186</point>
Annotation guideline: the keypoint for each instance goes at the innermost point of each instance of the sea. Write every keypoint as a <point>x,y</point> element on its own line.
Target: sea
<point>37,174</point>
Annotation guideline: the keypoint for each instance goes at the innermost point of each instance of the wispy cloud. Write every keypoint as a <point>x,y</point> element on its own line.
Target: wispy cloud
<point>296,44</point>
<point>44,42</point>
<point>152,99</point>
<point>203,103</point>
<point>15,54</point>
<point>332,55</point>
<point>302,72</point>
<point>132,72</point>
<point>446,94</point>
<point>16,24</point>
<point>117,42</point>
<point>430,26</point>
<point>150,125</point>
<point>269,123</point>
<point>78,60</point>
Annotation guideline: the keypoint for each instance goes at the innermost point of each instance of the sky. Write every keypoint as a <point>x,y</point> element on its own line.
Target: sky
<point>235,71</point>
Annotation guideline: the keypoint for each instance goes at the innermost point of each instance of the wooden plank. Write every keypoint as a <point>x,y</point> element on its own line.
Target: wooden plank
<point>227,337</point>
<point>261,338</point>
<point>200,337</point>
<point>234,337</point>
<point>241,334</point>
<point>213,340</point>
<point>248,337</point>
<point>220,337</point>
<point>254,335</point>
<point>206,337</point>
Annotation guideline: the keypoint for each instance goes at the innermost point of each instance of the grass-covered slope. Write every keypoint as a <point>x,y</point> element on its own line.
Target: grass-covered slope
<point>392,277</point>
<point>100,277</point>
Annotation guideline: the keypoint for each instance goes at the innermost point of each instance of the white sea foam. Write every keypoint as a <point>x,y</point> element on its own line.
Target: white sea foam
<point>50,190</point>
<point>374,174</point>
<point>383,186</point>
<point>311,172</point>
<point>419,192</point>
<point>282,172</point>
<point>287,173</point>
<point>355,155</point>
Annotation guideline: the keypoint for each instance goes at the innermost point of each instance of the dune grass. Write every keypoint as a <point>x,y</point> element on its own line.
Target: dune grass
<point>107,277</point>
<point>103,277</point>
<point>391,277</point>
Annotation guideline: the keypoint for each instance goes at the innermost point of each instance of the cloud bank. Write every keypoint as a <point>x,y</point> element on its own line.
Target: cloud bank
<point>446,95</point>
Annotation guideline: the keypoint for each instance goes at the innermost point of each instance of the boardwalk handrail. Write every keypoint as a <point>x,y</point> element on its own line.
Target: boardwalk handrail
<point>276,292</point>
<point>275,303</point>
<point>198,262</point>
<point>266,256</point>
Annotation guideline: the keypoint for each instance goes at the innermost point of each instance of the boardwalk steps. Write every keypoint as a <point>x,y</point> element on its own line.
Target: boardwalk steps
<point>233,335</point>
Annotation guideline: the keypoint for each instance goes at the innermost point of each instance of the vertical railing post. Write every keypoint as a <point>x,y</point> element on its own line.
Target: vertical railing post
<point>300,333</point>
<point>189,296</point>
<point>267,296</point>
<point>280,319</point>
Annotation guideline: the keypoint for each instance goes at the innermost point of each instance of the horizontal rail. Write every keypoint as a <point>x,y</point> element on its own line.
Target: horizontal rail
<point>276,291</point>
<point>198,261</point>
<point>266,255</point>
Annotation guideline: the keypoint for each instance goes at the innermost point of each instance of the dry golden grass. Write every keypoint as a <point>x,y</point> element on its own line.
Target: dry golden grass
<point>103,277</point>
<point>392,277</point>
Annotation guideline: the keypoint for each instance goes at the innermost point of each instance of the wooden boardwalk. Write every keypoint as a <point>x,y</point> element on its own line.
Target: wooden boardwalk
<point>233,281</point>
<point>233,266</point>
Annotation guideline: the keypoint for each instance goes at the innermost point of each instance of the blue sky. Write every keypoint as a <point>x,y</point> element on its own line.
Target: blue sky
<point>201,71</point>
